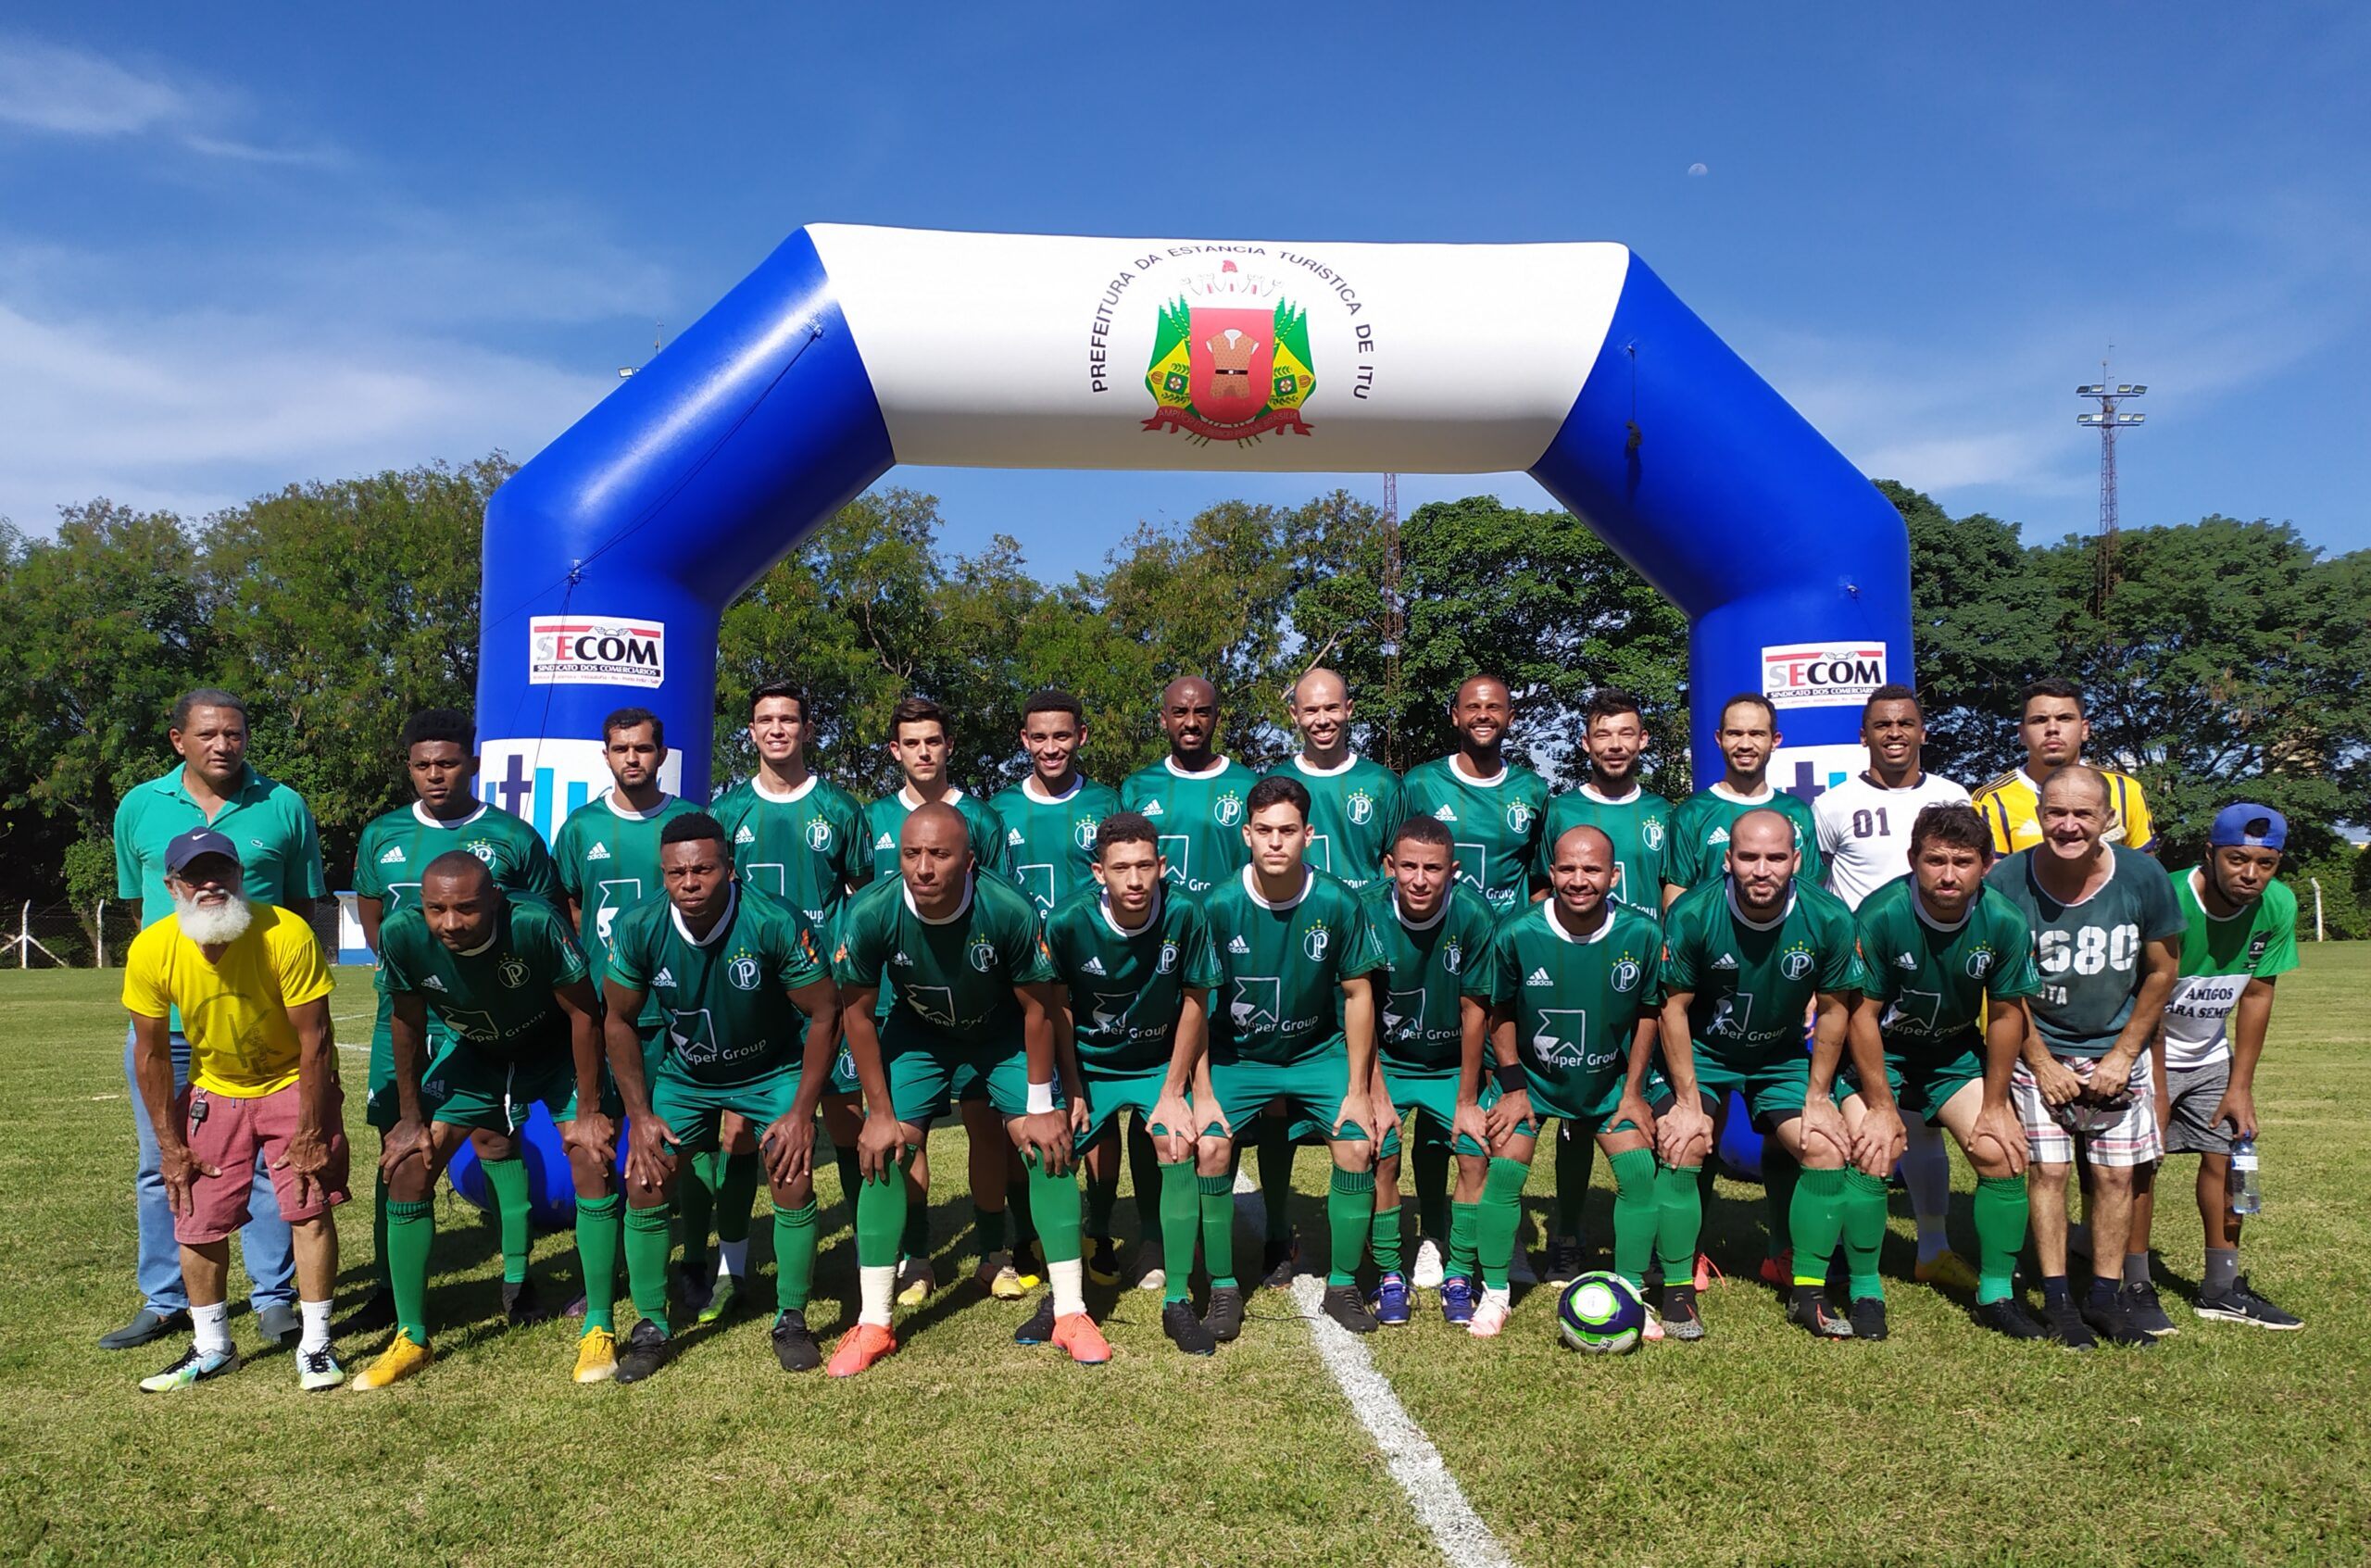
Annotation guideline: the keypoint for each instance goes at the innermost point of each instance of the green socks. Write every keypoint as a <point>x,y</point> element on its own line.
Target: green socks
<point>1464,1240</point>
<point>1276,1153</point>
<point>1144,1173</point>
<point>914,1226</point>
<point>1780,1170</point>
<point>597,1229</point>
<point>1215,1197</point>
<point>1500,1217</point>
<point>506,1179</point>
<point>1679,1220</point>
<point>648,1245</point>
<point>1181,1214</point>
<point>1350,1218</point>
<point>1815,1220</point>
<point>1574,1157</point>
<point>411,1231</point>
<point>1054,1201</point>
<point>1430,1159</point>
<point>1386,1240</point>
<point>880,1206</point>
<point>736,1197</point>
<point>2000,1210</point>
<point>1635,1210</point>
<point>696,1201</point>
<point>794,1233</point>
<point>1863,1211</point>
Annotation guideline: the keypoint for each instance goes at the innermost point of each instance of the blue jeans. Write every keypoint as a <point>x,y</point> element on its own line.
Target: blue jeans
<point>264,1241</point>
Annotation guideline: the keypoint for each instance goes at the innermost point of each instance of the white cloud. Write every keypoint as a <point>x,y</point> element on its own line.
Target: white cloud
<point>65,91</point>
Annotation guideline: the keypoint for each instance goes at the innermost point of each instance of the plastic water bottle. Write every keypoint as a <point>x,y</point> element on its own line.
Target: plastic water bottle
<point>2246,1193</point>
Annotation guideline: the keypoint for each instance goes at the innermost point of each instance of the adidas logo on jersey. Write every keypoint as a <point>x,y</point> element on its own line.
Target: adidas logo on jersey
<point>1093,965</point>
<point>664,977</point>
<point>884,842</point>
<point>599,852</point>
<point>1152,808</point>
<point>745,836</point>
<point>1720,835</point>
<point>1237,945</point>
<point>1907,962</point>
<point>1012,836</point>
<point>1446,814</point>
<point>430,982</point>
<point>1539,977</point>
<point>1727,961</point>
<point>394,856</point>
<point>902,959</point>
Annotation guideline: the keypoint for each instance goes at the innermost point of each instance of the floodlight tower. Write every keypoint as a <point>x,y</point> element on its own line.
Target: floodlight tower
<point>2108,420</point>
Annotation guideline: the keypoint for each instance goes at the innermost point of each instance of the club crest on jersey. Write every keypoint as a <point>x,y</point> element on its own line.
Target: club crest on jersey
<point>819,834</point>
<point>1519,817</point>
<point>512,971</point>
<point>1168,959</point>
<point>742,973</point>
<point>1452,954</point>
<point>1359,806</point>
<point>1797,963</point>
<point>1314,940</point>
<point>483,849</point>
<point>1979,963</point>
<point>1227,810</point>
<point>1650,834</point>
<point>394,856</point>
<point>1625,975</point>
<point>983,956</point>
<point>1083,833</point>
<point>1230,359</point>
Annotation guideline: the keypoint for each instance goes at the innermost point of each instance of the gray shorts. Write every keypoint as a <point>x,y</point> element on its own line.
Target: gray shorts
<point>2190,1098</point>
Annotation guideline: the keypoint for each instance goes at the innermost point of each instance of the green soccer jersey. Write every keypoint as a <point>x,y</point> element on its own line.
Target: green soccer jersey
<point>953,978</point>
<point>1933,979</point>
<point>498,999</point>
<point>1576,1000</point>
<point>1049,843</point>
<point>1700,834</point>
<point>1127,986</point>
<point>1427,971</point>
<point>2219,957</point>
<point>885,818</point>
<point>1282,966</point>
<point>1353,810</point>
<point>1752,985</point>
<point>1496,824</point>
<point>607,862</point>
<point>805,849</point>
<point>2089,953</point>
<point>1639,826</point>
<point>724,997</point>
<point>1199,817</point>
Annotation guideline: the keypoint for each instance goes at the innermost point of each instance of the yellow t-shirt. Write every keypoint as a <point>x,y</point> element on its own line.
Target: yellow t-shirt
<point>234,1012</point>
<point>2011,806</point>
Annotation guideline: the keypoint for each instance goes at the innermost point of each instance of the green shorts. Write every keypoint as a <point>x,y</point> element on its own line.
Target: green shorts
<point>695,1109</point>
<point>1111,1091</point>
<point>1773,1091</point>
<point>1433,1098</point>
<point>844,1079</point>
<point>1922,1082</point>
<point>499,1093</point>
<point>1311,1092</point>
<point>927,1076</point>
<point>381,1109</point>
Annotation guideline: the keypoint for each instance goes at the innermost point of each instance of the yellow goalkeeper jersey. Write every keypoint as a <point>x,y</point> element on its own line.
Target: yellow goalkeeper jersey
<point>2011,806</point>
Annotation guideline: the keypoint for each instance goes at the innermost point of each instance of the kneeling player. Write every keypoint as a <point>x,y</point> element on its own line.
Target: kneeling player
<point>974,998</point>
<point>1950,965</point>
<point>750,1021</point>
<point>511,986</point>
<point>1574,982</point>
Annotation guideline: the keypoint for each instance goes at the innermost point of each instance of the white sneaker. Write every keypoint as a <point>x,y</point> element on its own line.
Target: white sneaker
<point>317,1370</point>
<point>1150,1274</point>
<point>1519,1269</point>
<point>1428,1271</point>
<point>1490,1315</point>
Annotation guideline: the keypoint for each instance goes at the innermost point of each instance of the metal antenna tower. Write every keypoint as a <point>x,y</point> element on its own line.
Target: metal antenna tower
<point>2108,420</point>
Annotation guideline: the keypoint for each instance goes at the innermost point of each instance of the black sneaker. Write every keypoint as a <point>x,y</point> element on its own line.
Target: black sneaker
<point>2008,1316</point>
<point>1040,1329</point>
<point>645,1352</point>
<point>1681,1318</point>
<point>148,1324</point>
<point>1563,1260</point>
<point>1344,1306</point>
<point>277,1323</point>
<point>794,1346</point>
<point>376,1315</point>
<point>2240,1304</point>
<point>1224,1318</point>
<point>520,1305</point>
<point>2148,1314</point>
<point>2066,1326</point>
<point>1278,1261</point>
<point>1811,1310</point>
<point>2112,1323</point>
<point>1868,1318</point>
<point>1186,1331</point>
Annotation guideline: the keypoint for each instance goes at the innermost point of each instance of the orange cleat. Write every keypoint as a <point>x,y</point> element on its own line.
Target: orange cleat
<point>1077,1332</point>
<point>860,1347</point>
<point>1708,1273</point>
<point>1779,1270</point>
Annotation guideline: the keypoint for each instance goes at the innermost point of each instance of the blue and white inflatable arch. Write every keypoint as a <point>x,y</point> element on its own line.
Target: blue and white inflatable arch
<point>611,555</point>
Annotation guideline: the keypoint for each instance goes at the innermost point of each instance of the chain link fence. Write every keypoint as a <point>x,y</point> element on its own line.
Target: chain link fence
<point>65,935</point>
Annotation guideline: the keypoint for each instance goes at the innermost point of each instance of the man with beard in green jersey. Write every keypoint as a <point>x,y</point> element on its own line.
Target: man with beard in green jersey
<point>1637,823</point>
<point>798,839</point>
<point>1701,824</point>
<point>1575,984</point>
<point>1433,932</point>
<point>1134,961</point>
<point>439,758</point>
<point>750,1017</point>
<point>1295,1027</point>
<point>1493,808</point>
<point>1353,800</point>
<point>514,997</point>
<point>1744,957</point>
<point>1950,967</point>
<point>975,999</point>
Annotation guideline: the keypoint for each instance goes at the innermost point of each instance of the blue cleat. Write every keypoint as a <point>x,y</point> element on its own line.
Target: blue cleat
<point>1457,1301</point>
<point>1390,1301</point>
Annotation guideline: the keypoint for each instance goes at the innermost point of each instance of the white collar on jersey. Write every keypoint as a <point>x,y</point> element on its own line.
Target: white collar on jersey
<point>1251,886</point>
<point>1030,787</point>
<point>1556,923</point>
<point>1438,915</point>
<point>1457,771</point>
<point>1152,920</point>
<point>1720,788</point>
<point>715,933</point>
<point>491,933</point>
<point>1350,760</point>
<point>912,802</point>
<point>1926,917</point>
<point>420,812</point>
<point>758,786</point>
<point>1213,770</point>
<point>1730,887</point>
<point>1591,792</point>
<point>961,909</point>
<point>609,798</point>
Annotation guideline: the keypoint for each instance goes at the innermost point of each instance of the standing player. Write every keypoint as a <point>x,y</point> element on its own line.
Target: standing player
<point>439,758</point>
<point>1433,932</point>
<point>1575,984</point>
<point>1297,958</point>
<point>751,1024</point>
<point>1353,800</point>
<point>1950,962</point>
<point>974,998</point>
<point>1492,807</point>
<point>2243,938</point>
<point>1744,957</point>
<point>800,840</point>
<point>1637,823</point>
<point>2107,939</point>
<point>1049,816</point>
<point>1864,831</point>
<point>1134,965</point>
<point>512,989</point>
<point>1701,824</point>
<point>2051,725</point>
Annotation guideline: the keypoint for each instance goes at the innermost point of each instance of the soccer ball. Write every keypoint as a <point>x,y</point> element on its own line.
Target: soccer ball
<point>1600,1312</point>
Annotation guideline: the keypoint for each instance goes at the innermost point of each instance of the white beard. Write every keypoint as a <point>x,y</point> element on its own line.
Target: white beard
<point>211,924</point>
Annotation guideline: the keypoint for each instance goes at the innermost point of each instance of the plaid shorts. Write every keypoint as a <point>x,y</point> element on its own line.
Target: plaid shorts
<point>2123,1137</point>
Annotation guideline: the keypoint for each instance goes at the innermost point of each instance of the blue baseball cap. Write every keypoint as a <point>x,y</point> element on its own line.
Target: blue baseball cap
<point>2245,824</point>
<point>188,846</point>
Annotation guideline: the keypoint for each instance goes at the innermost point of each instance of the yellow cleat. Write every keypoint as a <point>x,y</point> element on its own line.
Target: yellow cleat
<point>1948,1270</point>
<point>402,1357</point>
<point>997,1275</point>
<point>1029,1267</point>
<point>916,1280</point>
<point>597,1355</point>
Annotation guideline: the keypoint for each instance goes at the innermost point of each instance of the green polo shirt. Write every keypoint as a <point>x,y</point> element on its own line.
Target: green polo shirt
<point>279,850</point>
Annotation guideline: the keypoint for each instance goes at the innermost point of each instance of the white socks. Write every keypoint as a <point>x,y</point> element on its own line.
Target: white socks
<point>1069,1295</point>
<point>317,1326</point>
<point>210,1326</point>
<point>733,1257</point>
<point>875,1287</point>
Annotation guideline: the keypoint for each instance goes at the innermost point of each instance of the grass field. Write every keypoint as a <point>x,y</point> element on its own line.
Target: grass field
<point>1941,1445</point>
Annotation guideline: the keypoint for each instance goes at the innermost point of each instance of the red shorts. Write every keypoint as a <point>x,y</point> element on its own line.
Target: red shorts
<point>228,1135</point>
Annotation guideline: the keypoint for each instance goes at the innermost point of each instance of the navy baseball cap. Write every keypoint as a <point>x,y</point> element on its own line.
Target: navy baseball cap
<point>2246,824</point>
<point>188,846</point>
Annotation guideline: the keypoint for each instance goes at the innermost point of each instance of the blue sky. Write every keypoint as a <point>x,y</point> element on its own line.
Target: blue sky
<point>241,246</point>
